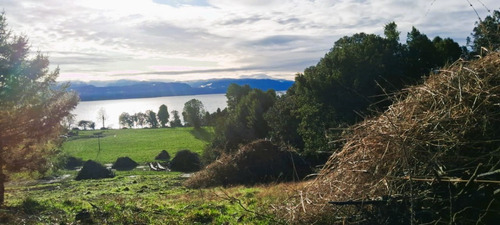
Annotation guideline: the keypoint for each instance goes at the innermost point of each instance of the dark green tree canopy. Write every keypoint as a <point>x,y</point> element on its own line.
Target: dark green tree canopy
<point>351,82</point>
<point>151,119</point>
<point>176,121</point>
<point>193,113</point>
<point>126,120</point>
<point>163,115</point>
<point>243,122</point>
<point>487,33</point>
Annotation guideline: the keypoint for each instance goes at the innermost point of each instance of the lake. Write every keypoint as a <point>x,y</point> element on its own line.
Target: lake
<point>88,110</point>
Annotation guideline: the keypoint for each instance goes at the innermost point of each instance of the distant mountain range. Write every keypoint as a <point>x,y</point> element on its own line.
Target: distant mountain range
<point>123,89</point>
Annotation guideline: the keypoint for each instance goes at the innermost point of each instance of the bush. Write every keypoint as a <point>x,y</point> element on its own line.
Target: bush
<point>186,161</point>
<point>94,170</point>
<point>124,163</point>
<point>257,162</point>
<point>163,156</point>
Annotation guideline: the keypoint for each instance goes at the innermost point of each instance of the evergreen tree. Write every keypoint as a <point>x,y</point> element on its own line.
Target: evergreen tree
<point>32,106</point>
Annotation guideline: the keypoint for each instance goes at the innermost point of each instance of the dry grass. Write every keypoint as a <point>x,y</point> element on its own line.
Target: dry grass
<point>423,154</point>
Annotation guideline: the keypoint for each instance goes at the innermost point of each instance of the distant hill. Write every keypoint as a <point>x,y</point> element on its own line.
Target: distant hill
<point>123,89</point>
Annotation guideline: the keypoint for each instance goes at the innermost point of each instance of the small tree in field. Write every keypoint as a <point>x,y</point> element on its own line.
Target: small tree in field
<point>176,122</point>
<point>102,116</point>
<point>126,120</point>
<point>193,113</point>
<point>151,118</point>
<point>84,124</point>
<point>163,115</point>
<point>32,107</point>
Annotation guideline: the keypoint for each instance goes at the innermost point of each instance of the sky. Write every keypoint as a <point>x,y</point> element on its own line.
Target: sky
<point>180,40</point>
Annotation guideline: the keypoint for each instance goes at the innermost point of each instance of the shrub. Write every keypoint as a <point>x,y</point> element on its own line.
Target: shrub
<point>94,170</point>
<point>186,161</point>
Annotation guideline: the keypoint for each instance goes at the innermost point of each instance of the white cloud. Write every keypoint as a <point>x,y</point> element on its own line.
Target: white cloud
<point>199,39</point>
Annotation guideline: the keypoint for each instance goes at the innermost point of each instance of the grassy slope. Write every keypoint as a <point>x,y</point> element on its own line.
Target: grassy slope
<point>142,145</point>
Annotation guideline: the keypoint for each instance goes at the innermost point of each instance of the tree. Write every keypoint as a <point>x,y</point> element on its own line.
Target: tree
<point>151,119</point>
<point>487,33</point>
<point>391,32</point>
<point>68,121</point>
<point>193,113</point>
<point>176,122</point>
<point>422,55</point>
<point>448,50</point>
<point>234,94</point>
<point>126,120</point>
<point>139,119</point>
<point>102,116</point>
<point>84,124</point>
<point>163,115</point>
<point>243,123</point>
<point>32,106</point>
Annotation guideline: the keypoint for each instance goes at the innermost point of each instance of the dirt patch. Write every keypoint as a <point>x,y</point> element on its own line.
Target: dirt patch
<point>257,162</point>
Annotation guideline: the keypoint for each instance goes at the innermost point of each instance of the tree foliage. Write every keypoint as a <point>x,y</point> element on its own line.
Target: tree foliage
<point>85,123</point>
<point>32,106</point>
<point>193,113</point>
<point>151,119</point>
<point>350,82</point>
<point>243,122</point>
<point>176,121</point>
<point>163,115</point>
<point>487,33</point>
<point>126,120</point>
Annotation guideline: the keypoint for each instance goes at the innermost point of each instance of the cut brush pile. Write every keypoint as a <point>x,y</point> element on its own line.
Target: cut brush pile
<point>431,157</point>
<point>258,162</point>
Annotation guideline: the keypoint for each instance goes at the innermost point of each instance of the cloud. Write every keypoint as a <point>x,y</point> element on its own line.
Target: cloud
<point>213,38</point>
<point>179,3</point>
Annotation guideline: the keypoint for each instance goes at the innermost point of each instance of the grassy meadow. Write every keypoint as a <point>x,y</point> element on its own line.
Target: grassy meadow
<point>133,197</point>
<point>141,145</point>
<point>138,196</point>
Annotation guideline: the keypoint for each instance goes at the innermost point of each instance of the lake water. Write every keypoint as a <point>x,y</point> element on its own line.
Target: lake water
<point>88,110</point>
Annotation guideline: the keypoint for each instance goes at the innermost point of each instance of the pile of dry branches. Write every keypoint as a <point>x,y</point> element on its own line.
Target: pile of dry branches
<point>258,162</point>
<point>432,157</point>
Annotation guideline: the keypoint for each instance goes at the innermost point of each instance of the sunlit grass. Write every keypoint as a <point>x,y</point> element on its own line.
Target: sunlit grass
<point>141,145</point>
<point>133,197</point>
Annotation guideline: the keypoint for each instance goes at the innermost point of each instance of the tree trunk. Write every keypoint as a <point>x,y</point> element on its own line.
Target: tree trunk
<point>2,184</point>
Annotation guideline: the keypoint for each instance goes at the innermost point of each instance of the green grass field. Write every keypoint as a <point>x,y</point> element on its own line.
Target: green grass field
<point>138,196</point>
<point>132,197</point>
<point>141,145</point>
